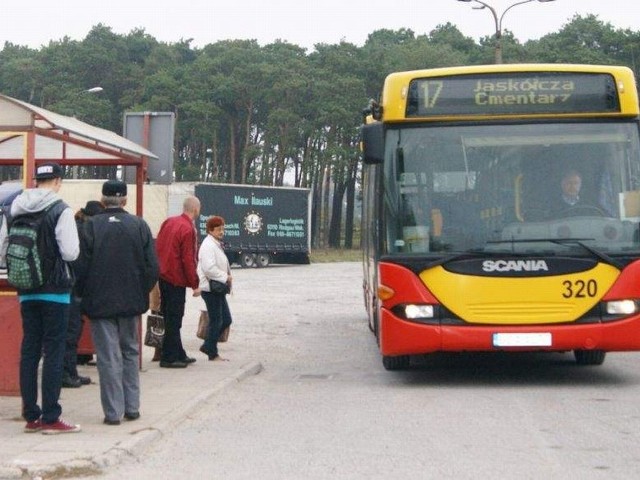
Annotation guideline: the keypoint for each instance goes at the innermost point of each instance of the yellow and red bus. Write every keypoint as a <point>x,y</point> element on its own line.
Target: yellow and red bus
<point>469,242</point>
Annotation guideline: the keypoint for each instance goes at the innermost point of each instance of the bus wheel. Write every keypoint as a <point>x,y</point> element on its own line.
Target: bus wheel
<point>400,362</point>
<point>247,260</point>
<point>589,357</point>
<point>263,260</point>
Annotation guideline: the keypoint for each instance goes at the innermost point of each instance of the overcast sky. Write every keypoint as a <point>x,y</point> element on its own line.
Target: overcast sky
<point>301,22</point>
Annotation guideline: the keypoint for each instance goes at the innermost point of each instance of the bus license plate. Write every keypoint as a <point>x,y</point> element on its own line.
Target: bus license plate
<point>522,339</point>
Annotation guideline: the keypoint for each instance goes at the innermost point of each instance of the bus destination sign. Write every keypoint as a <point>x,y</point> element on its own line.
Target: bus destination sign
<point>513,94</point>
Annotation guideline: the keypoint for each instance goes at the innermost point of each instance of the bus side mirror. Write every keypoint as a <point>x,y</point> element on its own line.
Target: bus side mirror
<point>373,143</point>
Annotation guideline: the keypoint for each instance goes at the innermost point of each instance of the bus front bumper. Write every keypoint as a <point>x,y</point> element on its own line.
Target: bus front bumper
<point>402,337</point>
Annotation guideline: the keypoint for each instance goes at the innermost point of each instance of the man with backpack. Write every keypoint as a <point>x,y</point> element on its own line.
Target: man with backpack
<point>43,239</point>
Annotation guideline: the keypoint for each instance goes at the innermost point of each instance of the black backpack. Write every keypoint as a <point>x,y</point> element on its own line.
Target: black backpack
<point>25,252</point>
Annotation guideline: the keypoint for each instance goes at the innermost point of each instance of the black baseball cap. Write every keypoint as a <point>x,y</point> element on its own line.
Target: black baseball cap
<point>114,188</point>
<point>47,171</point>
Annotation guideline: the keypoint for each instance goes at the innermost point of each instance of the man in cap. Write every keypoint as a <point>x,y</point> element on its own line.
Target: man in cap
<point>177,249</point>
<point>45,310</point>
<point>116,271</point>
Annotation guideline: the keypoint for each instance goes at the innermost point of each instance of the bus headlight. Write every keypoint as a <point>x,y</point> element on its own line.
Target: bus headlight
<point>622,307</point>
<point>415,312</point>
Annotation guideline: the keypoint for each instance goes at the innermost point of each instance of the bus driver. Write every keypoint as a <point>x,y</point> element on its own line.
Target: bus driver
<point>569,196</point>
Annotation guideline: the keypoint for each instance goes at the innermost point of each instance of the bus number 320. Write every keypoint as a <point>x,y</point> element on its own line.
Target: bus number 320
<point>580,288</point>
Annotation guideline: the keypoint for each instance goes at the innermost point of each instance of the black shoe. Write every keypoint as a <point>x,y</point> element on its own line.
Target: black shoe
<point>84,380</point>
<point>188,360</point>
<point>68,382</point>
<point>106,421</point>
<point>176,364</point>
<point>209,356</point>
<point>132,416</point>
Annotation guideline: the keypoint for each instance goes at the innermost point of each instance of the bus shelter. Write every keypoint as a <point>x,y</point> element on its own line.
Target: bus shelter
<point>29,136</point>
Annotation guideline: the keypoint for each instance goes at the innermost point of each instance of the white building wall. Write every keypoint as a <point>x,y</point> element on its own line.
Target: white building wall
<point>160,201</point>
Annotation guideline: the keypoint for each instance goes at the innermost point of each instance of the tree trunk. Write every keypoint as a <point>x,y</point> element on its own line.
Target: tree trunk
<point>215,158</point>
<point>247,141</point>
<point>316,209</point>
<point>351,197</point>
<point>233,153</point>
<point>336,213</point>
<point>326,207</point>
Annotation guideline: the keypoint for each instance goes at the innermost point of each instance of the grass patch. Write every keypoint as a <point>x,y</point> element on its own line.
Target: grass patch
<point>327,255</point>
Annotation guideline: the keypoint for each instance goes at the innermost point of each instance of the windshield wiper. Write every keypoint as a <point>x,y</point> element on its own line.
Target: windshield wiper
<point>596,253</point>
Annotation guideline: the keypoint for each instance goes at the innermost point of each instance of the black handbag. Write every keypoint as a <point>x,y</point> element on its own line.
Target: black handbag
<point>155,331</point>
<point>218,288</point>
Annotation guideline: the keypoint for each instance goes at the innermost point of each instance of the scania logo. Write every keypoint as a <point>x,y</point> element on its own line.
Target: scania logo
<point>514,266</point>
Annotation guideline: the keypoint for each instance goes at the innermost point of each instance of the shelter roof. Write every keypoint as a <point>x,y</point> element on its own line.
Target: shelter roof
<point>61,138</point>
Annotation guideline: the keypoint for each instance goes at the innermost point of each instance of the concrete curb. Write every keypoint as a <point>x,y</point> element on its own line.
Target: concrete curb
<point>129,448</point>
<point>139,442</point>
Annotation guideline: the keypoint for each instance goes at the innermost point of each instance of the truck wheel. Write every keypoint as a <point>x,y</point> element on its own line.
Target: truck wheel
<point>400,362</point>
<point>247,260</point>
<point>589,357</point>
<point>263,260</point>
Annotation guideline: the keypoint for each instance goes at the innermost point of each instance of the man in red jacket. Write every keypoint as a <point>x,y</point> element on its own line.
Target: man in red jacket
<point>177,250</point>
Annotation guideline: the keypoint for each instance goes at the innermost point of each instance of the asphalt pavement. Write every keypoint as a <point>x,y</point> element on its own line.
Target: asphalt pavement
<point>168,396</point>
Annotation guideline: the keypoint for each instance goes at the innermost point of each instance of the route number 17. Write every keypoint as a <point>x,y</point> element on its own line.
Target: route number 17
<point>431,91</point>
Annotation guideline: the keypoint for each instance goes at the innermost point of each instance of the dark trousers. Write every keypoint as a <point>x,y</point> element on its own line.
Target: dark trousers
<point>172,300</point>
<point>74,330</point>
<point>219,319</point>
<point>44,326</point>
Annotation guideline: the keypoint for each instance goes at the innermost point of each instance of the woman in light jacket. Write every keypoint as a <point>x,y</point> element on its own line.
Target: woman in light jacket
<point>214,265</point>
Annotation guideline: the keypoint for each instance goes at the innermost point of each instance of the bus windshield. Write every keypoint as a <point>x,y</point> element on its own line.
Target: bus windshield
<point>516,188</point>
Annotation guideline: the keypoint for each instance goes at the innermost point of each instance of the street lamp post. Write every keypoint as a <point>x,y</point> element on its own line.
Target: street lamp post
<point>76,96</point>
<point>498,20</point>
